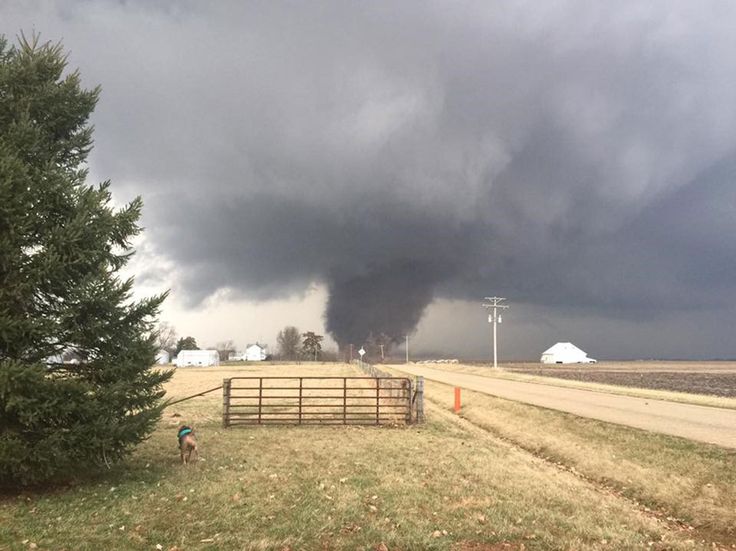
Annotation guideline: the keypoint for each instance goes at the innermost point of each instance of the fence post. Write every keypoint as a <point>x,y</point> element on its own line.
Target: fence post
<point>420,399</point>
<point>226,403</point>
<point>378,400</point>
<point>344,400</point>
<point>407,387</point>
<point>300,399</point>
<point>260,398</point>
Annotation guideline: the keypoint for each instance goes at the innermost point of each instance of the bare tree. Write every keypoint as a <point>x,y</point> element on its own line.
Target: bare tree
<point>224,349</point>
<point>166,337</point>
<point>288,341</point>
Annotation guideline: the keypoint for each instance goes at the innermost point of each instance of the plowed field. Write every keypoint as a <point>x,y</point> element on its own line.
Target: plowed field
<point>713,378</point>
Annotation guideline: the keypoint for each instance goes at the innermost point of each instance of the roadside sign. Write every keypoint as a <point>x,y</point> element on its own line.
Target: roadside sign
<point>361,352</point>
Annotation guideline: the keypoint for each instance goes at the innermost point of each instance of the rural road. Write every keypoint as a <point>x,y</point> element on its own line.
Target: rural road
<point>706,424</point>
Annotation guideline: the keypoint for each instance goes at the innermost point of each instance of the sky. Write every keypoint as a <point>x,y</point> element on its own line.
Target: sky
<point>380,167</point>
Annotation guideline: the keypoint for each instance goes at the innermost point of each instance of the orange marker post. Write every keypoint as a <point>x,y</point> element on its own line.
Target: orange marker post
<point>457,399</point>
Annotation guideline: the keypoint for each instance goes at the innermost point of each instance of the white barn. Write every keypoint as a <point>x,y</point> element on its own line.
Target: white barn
<point>565,353</point>
<point>163,357</point>
<point>197,357</point>
<point>255,353</point>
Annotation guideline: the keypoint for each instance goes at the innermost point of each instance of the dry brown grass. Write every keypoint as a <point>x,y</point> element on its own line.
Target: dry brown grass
<point>691,481</point>
<point>447,485</point>
<point>359,401</point>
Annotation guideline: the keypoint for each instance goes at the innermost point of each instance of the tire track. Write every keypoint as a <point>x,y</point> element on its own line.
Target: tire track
<point>662,517</point>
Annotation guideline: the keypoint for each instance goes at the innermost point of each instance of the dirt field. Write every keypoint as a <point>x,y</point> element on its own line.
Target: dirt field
<point>711,378</point>
<point>636,366</point>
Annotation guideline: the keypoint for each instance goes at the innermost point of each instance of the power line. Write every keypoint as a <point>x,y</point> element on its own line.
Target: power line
<point>494,317</point>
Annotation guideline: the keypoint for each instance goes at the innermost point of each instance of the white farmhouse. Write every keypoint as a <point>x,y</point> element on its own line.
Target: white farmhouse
<point>163,357</point>
<point>565,353</point>
<point>197,357</point>
<point>255,353</point>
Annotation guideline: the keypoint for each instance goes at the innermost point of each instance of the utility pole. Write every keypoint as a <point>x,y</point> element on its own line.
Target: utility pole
<point>407,349</point>
<point>497,304</point>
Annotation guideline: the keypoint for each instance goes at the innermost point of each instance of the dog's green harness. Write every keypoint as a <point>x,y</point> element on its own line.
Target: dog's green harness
<point>182,433</point>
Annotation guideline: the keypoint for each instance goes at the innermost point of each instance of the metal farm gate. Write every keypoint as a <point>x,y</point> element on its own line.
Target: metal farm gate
<point>316,401</point>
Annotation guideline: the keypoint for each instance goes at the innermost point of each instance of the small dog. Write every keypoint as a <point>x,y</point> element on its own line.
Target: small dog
<point>187,444</point>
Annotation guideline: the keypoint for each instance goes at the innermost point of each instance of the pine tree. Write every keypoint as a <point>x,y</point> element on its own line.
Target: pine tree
<point>311,345</point>
<point>62,246</point>
<point>186,343</point>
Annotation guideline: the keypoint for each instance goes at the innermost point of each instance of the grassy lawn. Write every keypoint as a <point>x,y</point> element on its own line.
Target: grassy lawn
<point>445,485</point>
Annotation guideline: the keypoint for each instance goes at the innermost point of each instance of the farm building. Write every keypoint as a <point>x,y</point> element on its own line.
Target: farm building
<point>197,357</point>
<point>255,353</point>
<point>565,353</point>
<point>163,357</point>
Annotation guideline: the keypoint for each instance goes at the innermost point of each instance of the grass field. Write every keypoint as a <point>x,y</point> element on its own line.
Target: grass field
<point>504,476</point>
<point>690,482</point>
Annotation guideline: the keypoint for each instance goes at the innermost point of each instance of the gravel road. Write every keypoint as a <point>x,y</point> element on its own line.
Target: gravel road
<point>705,424</point>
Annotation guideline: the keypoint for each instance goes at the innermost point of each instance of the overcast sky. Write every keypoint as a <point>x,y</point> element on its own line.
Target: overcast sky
<point>382,166</point>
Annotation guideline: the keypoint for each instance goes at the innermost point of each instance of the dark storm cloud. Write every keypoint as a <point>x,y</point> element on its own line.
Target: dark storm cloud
<point>575,155</point>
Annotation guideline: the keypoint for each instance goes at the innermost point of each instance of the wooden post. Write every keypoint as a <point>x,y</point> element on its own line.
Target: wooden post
<point>407,387</point>
<point>260,398</point>
<point>300,400</point>
<point>378,399</point>
<point>226,403</point>
<point>420,399</point>
<point>344,400</point>
<point>457,399</point>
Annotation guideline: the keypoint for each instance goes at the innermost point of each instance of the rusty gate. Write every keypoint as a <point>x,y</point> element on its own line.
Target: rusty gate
<point>316,401</point>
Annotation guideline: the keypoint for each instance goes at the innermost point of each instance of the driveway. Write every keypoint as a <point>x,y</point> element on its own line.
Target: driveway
<point>702,423</point>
